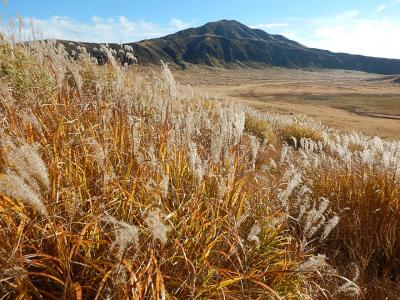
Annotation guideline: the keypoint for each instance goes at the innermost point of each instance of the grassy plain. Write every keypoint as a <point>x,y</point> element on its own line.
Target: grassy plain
<point>345,100</point>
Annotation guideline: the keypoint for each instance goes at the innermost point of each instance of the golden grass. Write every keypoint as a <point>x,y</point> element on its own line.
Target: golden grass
<point>340,99</point>
<point>260,128</point>
<point>149,191</point>
<point>108,152</point>
<point>369,232</point>
<point>292,134</point>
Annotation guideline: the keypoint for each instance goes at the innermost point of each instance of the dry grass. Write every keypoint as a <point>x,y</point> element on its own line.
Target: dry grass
<point>345,100</point>
<point>294,133</point>
<point>260,129</point>
<point>144,196</point>
<point>116,184</point>
<point>369,232</point>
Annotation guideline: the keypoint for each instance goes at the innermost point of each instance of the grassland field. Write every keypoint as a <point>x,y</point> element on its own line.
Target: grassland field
<point>122,182</point>
<point>346,100</point>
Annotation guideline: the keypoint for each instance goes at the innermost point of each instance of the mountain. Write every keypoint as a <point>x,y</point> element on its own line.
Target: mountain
<point>227,42</point>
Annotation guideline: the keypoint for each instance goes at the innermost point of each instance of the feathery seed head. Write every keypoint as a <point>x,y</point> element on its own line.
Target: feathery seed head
<point>157,228</point>
<point>125,234</point>
<point>253,235</point>
<point>15,187</point>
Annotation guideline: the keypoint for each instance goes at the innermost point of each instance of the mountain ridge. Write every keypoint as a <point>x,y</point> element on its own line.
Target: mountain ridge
<point>228,42</point>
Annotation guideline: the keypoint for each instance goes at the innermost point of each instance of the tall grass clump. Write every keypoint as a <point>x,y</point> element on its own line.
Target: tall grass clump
<point>119,185</point>
<point>294,133</point>
<point>116,184</point>
<point>363,186</point>
<point>260,129</point>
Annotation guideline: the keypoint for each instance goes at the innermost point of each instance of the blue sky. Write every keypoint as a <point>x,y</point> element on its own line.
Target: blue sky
<point>367,27</point>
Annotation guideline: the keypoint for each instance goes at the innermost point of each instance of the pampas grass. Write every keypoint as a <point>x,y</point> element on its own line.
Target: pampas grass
<point>151,191</point>
<point>15,187</point>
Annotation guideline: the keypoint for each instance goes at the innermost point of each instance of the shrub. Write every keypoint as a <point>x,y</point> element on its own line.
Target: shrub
<point>259,128</point>
<point>299,132</point>
<point>28,78</point>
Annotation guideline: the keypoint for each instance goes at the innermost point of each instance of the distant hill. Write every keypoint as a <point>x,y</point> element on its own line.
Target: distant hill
<point>226,43</point>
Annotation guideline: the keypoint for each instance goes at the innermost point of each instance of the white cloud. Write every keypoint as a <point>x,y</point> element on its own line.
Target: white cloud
<point>270,26</point>
<point>381,8</point>
<point>98,29</point>
<point>348,14</point>
<point>179,24</point>
<point>350,31</point>
<point>357,35</point>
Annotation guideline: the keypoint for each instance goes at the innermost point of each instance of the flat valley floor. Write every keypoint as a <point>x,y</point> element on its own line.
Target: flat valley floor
<point>346,100</point>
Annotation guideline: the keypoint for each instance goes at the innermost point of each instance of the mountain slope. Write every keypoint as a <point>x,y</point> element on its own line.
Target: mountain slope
<point>227,42</point>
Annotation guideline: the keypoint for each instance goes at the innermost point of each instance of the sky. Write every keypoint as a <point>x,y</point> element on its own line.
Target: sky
<point>367,27</point>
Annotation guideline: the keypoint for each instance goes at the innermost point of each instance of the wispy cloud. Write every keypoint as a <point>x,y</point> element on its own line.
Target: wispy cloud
<point>98,29</point>
<point>269,26</point>
<point>351,31</point>
<point>381,8</point>
<point>180,25</point>
<point>357,34</point>
<point>347,14</point>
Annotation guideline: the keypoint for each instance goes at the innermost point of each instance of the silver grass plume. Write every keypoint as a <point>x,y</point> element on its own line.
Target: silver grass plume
<point>294,182</point>
<point>350,287</point>
<point>27,163</point>
<point>125,234</point>
<point>26,175</point>
<point>316,218</point>
<point>168,80</point>
<point>29,118</point>
<point>254,147</point>
<point>157,228</point>
<point>253,235</point>
<point>284,151</point>
<point>315,263</point>
<point>15,187</point>
<point>164,185</point>
<point>329,226</point>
